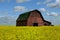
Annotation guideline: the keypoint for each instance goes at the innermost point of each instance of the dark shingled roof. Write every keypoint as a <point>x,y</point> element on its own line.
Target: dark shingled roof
<point>24,16</point>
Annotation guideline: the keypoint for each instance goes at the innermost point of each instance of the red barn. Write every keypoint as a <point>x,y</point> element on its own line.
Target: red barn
<point>32,18</point>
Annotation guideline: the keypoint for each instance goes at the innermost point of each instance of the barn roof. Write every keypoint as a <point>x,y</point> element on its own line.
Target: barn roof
<point>24,16</point>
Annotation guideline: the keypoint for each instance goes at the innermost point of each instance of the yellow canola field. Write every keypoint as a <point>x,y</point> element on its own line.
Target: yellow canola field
<point>30,33</point>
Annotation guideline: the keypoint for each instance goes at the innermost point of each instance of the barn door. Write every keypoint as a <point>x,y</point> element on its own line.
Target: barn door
<point>35,24</point>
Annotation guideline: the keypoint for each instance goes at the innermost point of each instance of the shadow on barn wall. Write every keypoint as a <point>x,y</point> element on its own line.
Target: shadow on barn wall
<point>32,18</point>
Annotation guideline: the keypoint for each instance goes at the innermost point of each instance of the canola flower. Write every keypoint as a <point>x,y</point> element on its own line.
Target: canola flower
<point>30,33</point>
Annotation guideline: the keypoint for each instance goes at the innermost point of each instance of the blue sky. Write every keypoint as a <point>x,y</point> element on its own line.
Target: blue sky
<point>11,9</point>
